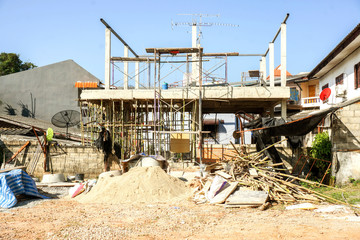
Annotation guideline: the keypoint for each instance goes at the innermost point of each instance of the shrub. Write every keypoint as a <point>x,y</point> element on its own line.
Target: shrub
<point>321,149</point>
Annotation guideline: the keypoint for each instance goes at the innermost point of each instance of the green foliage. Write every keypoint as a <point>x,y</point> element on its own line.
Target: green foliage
<point>321,147</point>
<point>11,63</point>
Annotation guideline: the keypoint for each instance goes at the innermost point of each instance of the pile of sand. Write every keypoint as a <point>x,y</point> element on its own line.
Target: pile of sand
<point>140,184</point>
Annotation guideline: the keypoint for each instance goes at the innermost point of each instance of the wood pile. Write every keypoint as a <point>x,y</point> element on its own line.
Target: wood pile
<point>253,180</point>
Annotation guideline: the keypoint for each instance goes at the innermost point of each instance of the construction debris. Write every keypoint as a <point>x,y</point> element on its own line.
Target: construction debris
<point>253,180</point>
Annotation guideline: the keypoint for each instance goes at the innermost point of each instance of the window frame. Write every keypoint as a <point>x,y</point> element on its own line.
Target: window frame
<point>339,80</point>
<point>357,75</point>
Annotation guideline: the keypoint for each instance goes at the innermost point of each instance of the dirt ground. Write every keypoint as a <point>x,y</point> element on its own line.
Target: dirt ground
<point>66,218</point>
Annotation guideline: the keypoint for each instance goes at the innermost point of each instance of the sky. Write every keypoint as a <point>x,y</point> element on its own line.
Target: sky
<point>48,31</point>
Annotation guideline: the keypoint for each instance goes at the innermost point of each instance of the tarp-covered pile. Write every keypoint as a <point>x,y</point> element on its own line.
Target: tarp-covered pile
<point>14,183</point>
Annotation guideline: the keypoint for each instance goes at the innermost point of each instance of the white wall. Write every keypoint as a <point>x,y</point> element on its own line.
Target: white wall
<point>346,67</point>
<point>225,130</point>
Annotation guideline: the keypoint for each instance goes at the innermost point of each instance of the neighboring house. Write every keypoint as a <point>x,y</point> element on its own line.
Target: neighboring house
<point>340,71</point>
<point>221,128</point>
<point>43,91</point>
<point>304,92</point>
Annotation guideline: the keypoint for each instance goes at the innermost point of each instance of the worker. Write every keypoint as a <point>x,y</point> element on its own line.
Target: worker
<point>104,142</point>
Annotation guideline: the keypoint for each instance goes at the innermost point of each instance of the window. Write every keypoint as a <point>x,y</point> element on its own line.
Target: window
<point>325,86</point>
<point>339,79</point>
<point>357,75</point>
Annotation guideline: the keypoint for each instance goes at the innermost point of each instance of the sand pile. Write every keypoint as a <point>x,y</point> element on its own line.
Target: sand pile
<point>140,184</point>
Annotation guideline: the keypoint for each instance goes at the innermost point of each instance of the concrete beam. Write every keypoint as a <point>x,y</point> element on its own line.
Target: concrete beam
<point>213,93</point>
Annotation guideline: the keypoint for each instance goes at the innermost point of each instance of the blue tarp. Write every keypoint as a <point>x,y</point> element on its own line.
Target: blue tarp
<point>14,183</point>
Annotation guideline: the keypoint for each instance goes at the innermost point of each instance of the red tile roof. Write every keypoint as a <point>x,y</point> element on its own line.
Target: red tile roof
<point>277,72</point>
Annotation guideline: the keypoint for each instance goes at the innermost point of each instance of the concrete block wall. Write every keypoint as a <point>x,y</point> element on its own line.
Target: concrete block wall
<point>346,144</point>
<point>68,159</point>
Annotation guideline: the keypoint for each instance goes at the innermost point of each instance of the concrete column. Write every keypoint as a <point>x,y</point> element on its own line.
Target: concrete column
<point>284,116</point>
<point>107,57</point>
<point>261,68</point>
<point>283,109</point>
<point>271,64</point>
<point>194,64</point>
<point>283,55</point>
<point>136,75</point>
<point>126,68</point>
<point>263,60</point>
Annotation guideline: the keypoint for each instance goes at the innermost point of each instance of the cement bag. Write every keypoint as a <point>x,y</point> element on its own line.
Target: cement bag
<point>217,184</point>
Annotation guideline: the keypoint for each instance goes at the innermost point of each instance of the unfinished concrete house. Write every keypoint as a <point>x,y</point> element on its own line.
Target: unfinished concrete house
<point>150,109</point>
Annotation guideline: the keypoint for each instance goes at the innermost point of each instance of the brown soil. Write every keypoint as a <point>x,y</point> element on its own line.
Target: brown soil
<point>69,219</point>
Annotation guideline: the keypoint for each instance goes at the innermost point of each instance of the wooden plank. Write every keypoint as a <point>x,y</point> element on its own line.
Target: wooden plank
<point>223,174</point>
<point>220,54</point>
<point>22,148</point>
<point>224,194</point>
<point>247,198</point>
<point>168,50</point>
<point>241,205</point>
<point>133,59</point>
<point>13,168</point>
<point>63,184</point>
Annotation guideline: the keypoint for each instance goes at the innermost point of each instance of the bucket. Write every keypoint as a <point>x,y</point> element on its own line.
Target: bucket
<point>149,162</point>
<point>79,177</point>
<point>165,86</point>
<point>53,178</point>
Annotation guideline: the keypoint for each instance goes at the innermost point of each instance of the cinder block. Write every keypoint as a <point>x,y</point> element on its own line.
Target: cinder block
<point>349,113</point>
<point>354,107</point>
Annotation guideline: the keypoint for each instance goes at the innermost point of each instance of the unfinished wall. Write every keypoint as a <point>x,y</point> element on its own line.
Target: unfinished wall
<point>68,160</point>
<point>346,144</point>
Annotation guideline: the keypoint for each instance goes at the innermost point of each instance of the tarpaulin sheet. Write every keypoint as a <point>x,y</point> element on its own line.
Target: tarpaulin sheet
<point>14,183</point>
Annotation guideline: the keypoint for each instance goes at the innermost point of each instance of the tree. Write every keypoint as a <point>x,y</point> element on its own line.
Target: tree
<point>11,63</point>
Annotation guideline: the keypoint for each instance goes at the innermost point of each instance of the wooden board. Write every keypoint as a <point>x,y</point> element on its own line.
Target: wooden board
<point>247,198</point>
<point>241,205</point>
<point>13,168</point>
<point>64,184</point>
<point>223,174</point>
<point>224,194</point>
<point>180,143</point>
